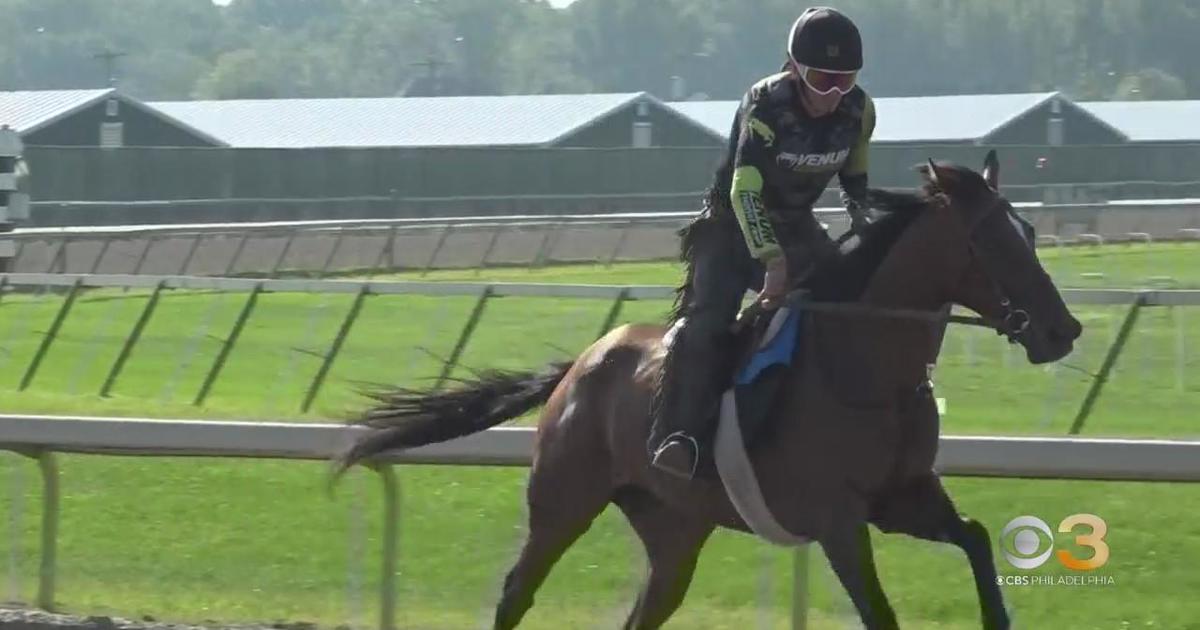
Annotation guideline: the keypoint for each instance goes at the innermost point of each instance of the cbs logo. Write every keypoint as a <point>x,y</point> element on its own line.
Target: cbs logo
<point>1023,539</point>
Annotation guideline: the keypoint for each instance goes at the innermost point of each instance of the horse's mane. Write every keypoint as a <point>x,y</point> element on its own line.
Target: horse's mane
<point>844,278</point>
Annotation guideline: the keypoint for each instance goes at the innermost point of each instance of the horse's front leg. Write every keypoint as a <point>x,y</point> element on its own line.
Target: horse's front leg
<point>847,545</point>
<point>922,508</point>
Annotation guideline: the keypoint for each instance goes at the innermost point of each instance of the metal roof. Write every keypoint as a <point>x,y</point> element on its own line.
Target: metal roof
<point>1150,121</point>
<point>957,118</point>
<point>530,120</point>
<point>717,116</point>
<point>25,112</point>
<point>28,111</point>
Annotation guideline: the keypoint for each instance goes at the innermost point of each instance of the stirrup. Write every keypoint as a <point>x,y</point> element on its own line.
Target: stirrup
<point>670,440</point>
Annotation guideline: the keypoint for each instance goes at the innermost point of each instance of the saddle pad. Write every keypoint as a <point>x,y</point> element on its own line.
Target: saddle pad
<point>778,346</point>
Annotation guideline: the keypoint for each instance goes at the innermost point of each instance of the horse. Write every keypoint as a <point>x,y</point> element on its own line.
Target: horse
<point>848,441</point>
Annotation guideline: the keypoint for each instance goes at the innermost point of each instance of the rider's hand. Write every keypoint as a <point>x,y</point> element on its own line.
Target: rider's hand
<point>775,282</point>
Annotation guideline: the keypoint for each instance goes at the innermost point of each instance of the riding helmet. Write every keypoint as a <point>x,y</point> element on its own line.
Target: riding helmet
<point>825,39</point>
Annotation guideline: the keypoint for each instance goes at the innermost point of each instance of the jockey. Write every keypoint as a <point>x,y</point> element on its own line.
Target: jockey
<point>792,132</point>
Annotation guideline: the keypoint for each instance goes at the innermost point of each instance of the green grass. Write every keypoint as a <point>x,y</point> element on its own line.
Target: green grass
<point>244,541</point>
<point>201,539</point>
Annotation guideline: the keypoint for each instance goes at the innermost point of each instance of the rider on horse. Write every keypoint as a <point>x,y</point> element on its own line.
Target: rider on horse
<point>793,131</point>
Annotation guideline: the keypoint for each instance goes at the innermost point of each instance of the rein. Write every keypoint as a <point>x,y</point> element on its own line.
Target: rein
<point>1012,325</point>
<point>796,299</point>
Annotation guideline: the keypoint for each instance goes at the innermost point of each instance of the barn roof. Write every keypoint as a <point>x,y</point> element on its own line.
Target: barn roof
<point>1150,121</point>
<point>28,111</point>
<point>455,121</point>
<point>956,118</point>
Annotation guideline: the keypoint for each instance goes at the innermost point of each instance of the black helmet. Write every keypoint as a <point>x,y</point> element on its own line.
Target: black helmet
<point>825,39</point>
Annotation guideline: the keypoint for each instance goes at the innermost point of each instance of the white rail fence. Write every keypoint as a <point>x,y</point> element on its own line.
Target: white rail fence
<point>74,284</point>
<point>41,437</point>
<point>375,245</point>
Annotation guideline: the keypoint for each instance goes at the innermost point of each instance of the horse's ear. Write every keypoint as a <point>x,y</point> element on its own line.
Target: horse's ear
<point>929,172</point>
<point>991,170</point>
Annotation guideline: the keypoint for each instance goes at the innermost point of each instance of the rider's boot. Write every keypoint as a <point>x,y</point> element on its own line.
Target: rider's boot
<point>688,399</point>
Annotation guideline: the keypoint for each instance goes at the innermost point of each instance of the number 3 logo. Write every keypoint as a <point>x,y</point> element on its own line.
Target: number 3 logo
<point>1030,535</point>
<point>1093,539</point>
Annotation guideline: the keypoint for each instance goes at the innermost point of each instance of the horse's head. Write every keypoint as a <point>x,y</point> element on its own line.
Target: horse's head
<point>1003,279</point>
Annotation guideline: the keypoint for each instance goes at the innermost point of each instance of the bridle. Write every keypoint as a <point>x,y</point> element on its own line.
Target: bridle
<point>1014,322</point>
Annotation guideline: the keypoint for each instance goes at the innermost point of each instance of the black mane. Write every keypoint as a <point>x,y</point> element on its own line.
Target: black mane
<point>845,277</point>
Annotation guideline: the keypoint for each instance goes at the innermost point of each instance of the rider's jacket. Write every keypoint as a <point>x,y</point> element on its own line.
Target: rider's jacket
<point>780,159</point>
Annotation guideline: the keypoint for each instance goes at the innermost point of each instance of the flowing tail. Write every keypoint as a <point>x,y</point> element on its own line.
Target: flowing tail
<point>407,418</point>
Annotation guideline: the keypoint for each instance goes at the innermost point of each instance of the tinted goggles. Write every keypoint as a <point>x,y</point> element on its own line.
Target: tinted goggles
<point>827,81</point>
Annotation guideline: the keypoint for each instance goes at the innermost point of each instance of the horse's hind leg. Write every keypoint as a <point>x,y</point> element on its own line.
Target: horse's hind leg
<point>923,509</point>
<point>673,542</point>
<point>554,525</point>
<point>568,487</point>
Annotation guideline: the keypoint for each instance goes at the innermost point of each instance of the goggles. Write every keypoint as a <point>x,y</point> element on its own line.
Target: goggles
<point>827,81</point>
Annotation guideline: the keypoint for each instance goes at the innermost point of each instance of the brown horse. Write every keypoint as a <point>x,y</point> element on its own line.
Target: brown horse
<point>851,437</point>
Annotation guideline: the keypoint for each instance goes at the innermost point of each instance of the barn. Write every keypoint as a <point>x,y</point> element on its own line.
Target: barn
<point>1047,118</point>
<point>94,118</point>
<point>1151,121</point>
<point>532,121</point>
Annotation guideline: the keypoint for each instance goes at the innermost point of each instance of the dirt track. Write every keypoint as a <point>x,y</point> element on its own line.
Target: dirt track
<point>37,620</point>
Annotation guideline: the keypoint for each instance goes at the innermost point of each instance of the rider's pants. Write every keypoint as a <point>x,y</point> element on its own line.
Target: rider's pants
<point>720,271</point>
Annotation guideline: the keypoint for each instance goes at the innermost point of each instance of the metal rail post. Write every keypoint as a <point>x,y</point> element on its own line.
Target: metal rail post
<point>391,547</point>
<point>549,240</point>
<point>59,254</point>
<point>48,563</point>
<point>1106,368</point>
<point>333,252</point>
<point>48,568</point>
<point>287,247</point>
<point>1180,350</point>
<point>491,246</point>
<point>614,312</point>
<point>386,254</point>
<point>437,249</point>
<point>335,348</point>
<point>465,336</point>
<point>191,253</point>
<point>134,335</point>
<point>145,253</point>
<point>100,256</point>
<point>801,564</point>
<point>48,339</point>
<point>624,236</point>
<point>237,254</point>
<point>227,346</point>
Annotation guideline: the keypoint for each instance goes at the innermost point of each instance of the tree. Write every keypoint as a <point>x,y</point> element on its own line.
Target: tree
<point>1150,84</point>
<point>296,48</point>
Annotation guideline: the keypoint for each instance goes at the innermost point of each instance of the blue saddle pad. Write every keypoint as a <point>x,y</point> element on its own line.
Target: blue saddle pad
<point>779,350</point>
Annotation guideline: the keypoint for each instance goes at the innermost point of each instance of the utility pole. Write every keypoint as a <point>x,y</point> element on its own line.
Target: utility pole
<point>110,63</point>
<point>431,64</point>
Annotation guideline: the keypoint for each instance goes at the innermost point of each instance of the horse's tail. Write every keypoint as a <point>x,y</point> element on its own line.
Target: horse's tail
<point>407,418</point>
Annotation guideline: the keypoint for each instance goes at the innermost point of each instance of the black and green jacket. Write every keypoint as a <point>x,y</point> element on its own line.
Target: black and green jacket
<point>780,159</point>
